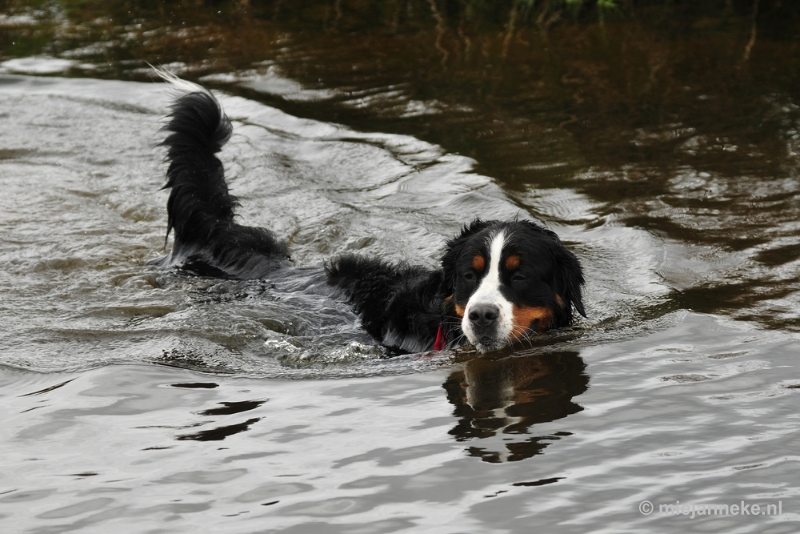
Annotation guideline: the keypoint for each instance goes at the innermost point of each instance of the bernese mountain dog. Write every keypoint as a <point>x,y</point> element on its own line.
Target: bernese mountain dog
<point>500,282</point>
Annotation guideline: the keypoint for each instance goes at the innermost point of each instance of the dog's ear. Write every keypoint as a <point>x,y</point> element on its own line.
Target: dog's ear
<point>569,278</point>
<point>454,247</point>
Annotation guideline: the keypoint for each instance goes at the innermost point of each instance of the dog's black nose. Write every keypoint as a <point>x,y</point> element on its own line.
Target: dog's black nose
<point>484,314</point>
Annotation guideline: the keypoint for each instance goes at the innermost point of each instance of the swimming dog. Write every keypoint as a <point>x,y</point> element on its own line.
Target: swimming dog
<point>499,282</point>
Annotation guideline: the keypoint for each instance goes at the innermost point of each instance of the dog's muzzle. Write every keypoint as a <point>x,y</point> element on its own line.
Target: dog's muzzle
<point>483,320</point>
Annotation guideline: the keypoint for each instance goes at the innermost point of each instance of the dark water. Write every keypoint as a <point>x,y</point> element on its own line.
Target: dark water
<point>139,400</point>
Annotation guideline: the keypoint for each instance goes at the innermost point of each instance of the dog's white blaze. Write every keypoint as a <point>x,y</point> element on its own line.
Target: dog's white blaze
<point>488,292</point>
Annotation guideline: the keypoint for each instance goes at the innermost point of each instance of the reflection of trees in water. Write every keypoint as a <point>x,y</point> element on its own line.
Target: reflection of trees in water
<point>503,398</point>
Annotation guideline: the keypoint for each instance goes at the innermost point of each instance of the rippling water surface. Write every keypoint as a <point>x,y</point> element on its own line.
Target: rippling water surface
<point>139,400</point>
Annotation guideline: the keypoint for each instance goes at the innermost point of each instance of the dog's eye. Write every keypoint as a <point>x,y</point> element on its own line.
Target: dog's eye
<point>519,278</point>
<point>469,276</point>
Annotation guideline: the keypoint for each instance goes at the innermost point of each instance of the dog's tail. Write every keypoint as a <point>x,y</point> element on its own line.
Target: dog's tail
<point>199,197</point>
<point>200,208</point>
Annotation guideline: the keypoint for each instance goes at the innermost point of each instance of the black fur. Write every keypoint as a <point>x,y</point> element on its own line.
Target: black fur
<point>200,208</point>
<point>392,299</point>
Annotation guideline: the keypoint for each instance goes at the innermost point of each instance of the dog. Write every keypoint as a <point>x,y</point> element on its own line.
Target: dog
<point>499,283</point>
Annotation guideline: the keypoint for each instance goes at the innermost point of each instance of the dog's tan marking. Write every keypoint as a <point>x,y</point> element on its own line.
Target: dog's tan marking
<point>524,317</point>
<point>478,263</point>
<point>512,262</point>
<point>559,300</point>
<point>459,310</point>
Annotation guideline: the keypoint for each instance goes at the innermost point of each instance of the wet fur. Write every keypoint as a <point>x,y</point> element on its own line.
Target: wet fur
<point>401,306</point>
<point>200,208</point>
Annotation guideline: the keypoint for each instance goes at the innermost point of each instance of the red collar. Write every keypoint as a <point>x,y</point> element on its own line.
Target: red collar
<point>441,338</point>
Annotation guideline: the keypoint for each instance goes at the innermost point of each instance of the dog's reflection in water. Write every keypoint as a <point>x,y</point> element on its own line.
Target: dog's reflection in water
<point>498,400</point>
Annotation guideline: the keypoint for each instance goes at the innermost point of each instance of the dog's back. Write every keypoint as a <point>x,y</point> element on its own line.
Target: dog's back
<point>200,209</point>
<point>399,305</point>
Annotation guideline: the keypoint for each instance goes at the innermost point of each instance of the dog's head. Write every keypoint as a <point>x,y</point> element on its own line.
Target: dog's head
<point>508,280</point>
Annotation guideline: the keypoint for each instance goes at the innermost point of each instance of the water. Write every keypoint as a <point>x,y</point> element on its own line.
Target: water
<point>140,400</point>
